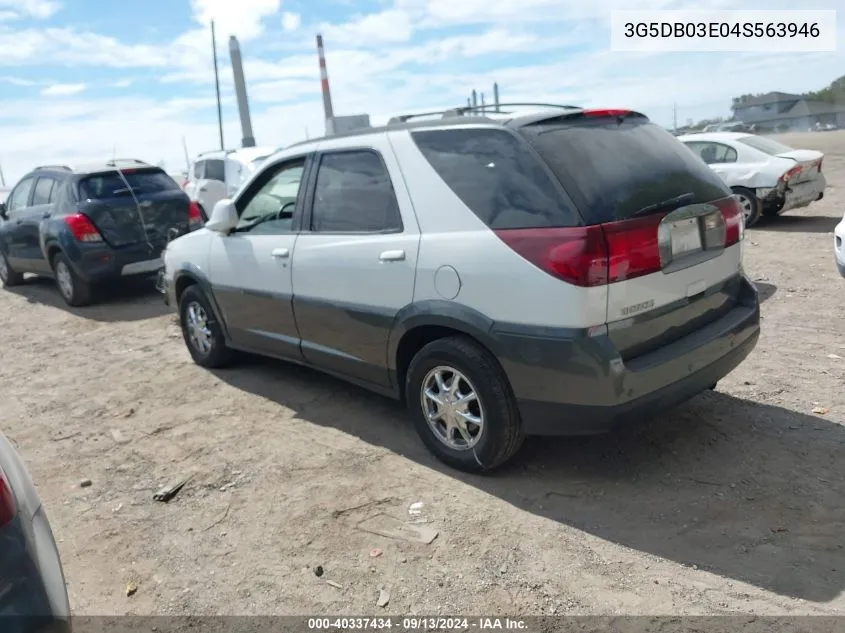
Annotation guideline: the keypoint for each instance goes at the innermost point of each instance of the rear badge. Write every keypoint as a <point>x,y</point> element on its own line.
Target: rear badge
<point>637,307</point>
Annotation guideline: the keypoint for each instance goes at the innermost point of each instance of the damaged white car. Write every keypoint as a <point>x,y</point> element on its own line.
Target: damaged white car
<point>768,177</point>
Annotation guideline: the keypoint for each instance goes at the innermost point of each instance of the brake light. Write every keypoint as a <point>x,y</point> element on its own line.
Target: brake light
<point>792,172</point>
<point>591,255</point>
<point>82,228</point>
<point>194,214</point>
<point>633,247</point>
<point>734,220</point>
<point>577,255</point>
<point>8,507</point>
<point>605,112</point>
<point>607,253</point>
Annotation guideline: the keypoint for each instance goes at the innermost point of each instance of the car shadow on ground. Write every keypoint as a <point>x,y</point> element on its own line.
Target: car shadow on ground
<point>748,491</point>
<point>130,300</point>
<point>798,224</point>
<point>765,291</point>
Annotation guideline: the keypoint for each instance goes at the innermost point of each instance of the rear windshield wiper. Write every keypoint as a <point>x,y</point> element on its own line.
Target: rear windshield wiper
<point>664,204</point>
<point>124,190</point>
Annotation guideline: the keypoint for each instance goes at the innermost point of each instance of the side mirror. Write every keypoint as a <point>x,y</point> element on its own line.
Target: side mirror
<point>223,218</point>
<point>3,212</point>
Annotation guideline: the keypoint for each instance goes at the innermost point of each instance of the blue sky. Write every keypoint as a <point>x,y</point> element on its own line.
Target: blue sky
<point>81,79</point>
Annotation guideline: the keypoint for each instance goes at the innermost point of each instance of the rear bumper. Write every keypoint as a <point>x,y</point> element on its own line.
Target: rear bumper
<point>579,385</point>
<point>839,246</point>
<point>797,196</point>
<point>100,262</point>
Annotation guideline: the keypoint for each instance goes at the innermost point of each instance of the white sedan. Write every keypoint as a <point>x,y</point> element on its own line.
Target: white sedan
<point>839,246</point>
<point>768,177</point>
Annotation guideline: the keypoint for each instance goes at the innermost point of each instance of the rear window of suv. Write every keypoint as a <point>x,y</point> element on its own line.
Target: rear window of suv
<point>111,185</point>
<point>496,175</point>
<point>614,171</point>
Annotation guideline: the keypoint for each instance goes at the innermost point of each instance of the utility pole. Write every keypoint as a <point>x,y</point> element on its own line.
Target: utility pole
<point>217,86</point>
<point>675,116</point>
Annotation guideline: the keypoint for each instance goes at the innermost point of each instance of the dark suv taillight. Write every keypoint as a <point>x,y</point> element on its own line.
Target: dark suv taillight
<point>606,253</point>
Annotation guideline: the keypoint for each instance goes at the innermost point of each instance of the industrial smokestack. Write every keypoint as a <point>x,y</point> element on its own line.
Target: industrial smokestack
<point>496,97</point>
<point>240,92</point>
<point>482,102</point>
<point>328,111</point>
<point>474,98</point>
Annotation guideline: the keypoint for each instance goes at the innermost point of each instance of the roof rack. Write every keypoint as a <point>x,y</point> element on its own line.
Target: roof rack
<point>59,167</point>
<point>113,162</point>
<point>477,109</point>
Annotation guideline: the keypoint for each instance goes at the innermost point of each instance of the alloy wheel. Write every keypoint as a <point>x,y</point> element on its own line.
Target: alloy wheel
<point>452,408</point>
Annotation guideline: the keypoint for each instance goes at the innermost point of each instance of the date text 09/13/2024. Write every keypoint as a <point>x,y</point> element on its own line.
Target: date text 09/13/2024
<point>417,623</point>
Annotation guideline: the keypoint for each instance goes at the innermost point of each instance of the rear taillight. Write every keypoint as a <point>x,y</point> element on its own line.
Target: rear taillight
<point>577,255</point>
<point>610,252</point>
<point>633,247</point>
<point>194,215</point>
<point>8,508</point>
<point>82,228</point>
<point>791,173</point>
<point>734,220</point>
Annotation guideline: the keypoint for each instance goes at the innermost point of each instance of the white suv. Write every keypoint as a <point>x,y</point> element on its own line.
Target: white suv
<point>558,272</point>
<point>218,175</point>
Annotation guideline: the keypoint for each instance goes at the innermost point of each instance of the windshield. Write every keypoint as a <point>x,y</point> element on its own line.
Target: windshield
<point>766,145</point>
<point>616,171</point>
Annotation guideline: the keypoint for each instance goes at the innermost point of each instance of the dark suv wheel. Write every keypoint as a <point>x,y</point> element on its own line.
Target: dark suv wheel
<point>74,290</point>
<point>462,406</point>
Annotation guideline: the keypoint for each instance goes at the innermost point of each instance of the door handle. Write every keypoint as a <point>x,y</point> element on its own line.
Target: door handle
<point>203,188</point>
<point>19,221</point>
<point>280,253</point>
<point>392,256</point>
<point>46,215</point>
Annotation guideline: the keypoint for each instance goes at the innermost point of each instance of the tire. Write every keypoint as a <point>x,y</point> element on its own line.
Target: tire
<point>74,290</point>
<point>201,331</point>
<point>498,438</point>
<point>7,274</point>
<point>750,204</point>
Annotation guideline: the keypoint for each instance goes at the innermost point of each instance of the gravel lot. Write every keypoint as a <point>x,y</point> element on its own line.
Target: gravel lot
<point>732,503</point>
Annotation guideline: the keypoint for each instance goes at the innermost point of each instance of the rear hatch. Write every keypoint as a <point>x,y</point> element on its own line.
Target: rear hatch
<point>134,206</point>
<point>667,226</point>
<point>807,163</point>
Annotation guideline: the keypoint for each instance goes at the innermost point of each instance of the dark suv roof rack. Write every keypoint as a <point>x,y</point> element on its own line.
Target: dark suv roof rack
<point>490,108</point>
<point>59,167</point>
<point>113,162</point>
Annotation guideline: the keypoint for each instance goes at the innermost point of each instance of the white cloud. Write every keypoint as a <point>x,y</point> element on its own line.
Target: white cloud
<point>392,25</point>
<point>39,9</point>
<point>63,90</point>
<point>291,21</point>
<point>243,18</point>
<point>123,83</point>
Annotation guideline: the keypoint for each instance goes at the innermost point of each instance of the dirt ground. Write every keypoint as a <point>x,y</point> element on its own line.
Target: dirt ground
<point>734,502</point>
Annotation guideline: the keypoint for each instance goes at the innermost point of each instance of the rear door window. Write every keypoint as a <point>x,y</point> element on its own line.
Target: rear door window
<point>43,191</point>
<point>199,169</point>
<point>616,171</point>
<point>496,175</point>
<point>713,153</point>
<point>111,185</point>
<point>215,170</point>
<point>354,194</point>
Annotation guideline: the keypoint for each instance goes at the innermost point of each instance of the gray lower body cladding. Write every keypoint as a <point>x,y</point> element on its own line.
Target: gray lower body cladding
<point>570,383</point>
